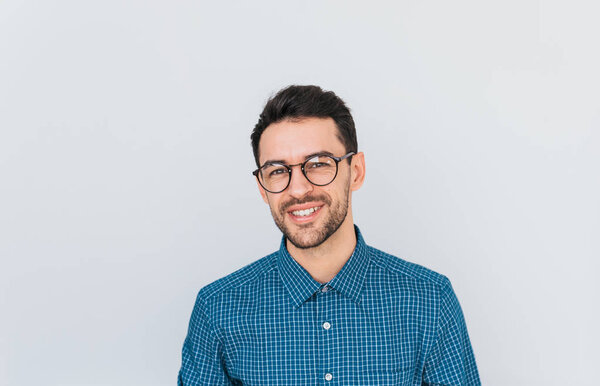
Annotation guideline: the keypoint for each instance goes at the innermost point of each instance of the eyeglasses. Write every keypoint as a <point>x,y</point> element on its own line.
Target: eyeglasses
<point>319,170</point>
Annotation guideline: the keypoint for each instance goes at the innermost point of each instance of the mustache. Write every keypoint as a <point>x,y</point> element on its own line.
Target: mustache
<point>299,201</point>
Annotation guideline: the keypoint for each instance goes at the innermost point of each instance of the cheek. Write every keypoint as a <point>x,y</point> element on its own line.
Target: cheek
<point>274,202</point>
<point>341,188</point>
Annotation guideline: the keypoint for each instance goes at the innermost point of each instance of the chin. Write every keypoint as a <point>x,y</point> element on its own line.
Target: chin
<point>306,241</point>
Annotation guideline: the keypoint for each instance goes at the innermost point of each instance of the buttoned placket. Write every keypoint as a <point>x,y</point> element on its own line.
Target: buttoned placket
<point>325,327</point>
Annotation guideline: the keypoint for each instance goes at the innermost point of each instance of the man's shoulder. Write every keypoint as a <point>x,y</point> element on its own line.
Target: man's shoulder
<point>246,275</point>
<point>403,269</point>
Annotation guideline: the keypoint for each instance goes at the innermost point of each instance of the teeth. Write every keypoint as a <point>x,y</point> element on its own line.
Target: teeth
<point>305,212</point>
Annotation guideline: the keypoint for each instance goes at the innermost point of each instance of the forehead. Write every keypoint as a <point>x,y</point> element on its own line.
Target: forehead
<point>292,140</point>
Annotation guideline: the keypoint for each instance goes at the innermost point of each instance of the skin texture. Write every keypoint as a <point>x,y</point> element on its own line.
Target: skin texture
<point>322,242</point>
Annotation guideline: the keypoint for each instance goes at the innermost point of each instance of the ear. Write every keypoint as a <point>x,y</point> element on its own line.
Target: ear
<point>263,192</point>
<point>357,168</point>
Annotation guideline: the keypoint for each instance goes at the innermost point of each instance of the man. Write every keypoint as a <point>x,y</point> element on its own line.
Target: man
<point>325,308</point>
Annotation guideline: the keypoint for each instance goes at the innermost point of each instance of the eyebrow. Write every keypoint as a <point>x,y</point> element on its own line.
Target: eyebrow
<point>278,161</point>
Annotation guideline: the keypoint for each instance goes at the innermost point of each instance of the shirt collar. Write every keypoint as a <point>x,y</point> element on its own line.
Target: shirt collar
<point>349,281</point>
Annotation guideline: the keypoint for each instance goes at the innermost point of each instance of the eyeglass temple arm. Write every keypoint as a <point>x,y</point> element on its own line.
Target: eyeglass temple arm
<point>338,159</point>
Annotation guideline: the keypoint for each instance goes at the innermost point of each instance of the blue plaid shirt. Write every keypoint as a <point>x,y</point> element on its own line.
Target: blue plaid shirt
<point>379,321</point>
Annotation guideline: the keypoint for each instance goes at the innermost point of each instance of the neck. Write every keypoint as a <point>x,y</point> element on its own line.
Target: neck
<point>326,260</point>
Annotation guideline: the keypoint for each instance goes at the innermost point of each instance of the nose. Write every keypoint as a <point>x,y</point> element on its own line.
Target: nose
<point>299,185</point>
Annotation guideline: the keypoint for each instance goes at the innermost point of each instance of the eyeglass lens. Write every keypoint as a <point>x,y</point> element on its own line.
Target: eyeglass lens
<point>319,170</point>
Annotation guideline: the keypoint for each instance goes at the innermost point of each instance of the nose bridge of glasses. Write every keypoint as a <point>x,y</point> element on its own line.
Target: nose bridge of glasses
<point>303,172</point>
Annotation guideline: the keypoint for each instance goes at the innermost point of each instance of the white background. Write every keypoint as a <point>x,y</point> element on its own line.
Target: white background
<point>125,164</point>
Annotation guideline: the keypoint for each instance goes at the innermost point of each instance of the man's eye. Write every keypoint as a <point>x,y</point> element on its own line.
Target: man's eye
<point>316,165</point>
<point>277,172</point>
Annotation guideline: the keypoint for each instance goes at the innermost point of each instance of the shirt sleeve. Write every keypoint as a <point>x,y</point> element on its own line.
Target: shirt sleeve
<point>451,362</point>
<point>202,355</point>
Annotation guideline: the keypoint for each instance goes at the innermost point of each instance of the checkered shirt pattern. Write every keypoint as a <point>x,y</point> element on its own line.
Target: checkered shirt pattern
<point>380,321</point>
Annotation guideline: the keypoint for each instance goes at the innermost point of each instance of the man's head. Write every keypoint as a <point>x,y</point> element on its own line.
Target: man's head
<point>298,123</point>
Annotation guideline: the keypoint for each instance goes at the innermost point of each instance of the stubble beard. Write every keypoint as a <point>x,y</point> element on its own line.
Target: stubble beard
<point>308,235</point>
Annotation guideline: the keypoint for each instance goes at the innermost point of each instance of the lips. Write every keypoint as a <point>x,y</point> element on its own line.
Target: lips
<point>305,209</point>
<point>304,213</point>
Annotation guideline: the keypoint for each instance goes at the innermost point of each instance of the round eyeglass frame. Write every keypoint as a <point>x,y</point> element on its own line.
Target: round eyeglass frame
<point>302,164</point>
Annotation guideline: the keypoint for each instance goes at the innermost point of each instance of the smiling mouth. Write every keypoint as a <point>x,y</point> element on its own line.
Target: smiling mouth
<point>305,212</point>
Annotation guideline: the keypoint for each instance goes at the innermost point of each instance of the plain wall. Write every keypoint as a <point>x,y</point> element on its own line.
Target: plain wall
<point>125,165</point>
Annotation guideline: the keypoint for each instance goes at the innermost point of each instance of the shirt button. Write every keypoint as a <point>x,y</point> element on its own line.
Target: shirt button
<point>328,377</point>
<point>327,325</point>
<point>325,289</point>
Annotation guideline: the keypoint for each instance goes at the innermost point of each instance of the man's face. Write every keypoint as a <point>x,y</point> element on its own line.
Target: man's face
<point>306,214</point>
